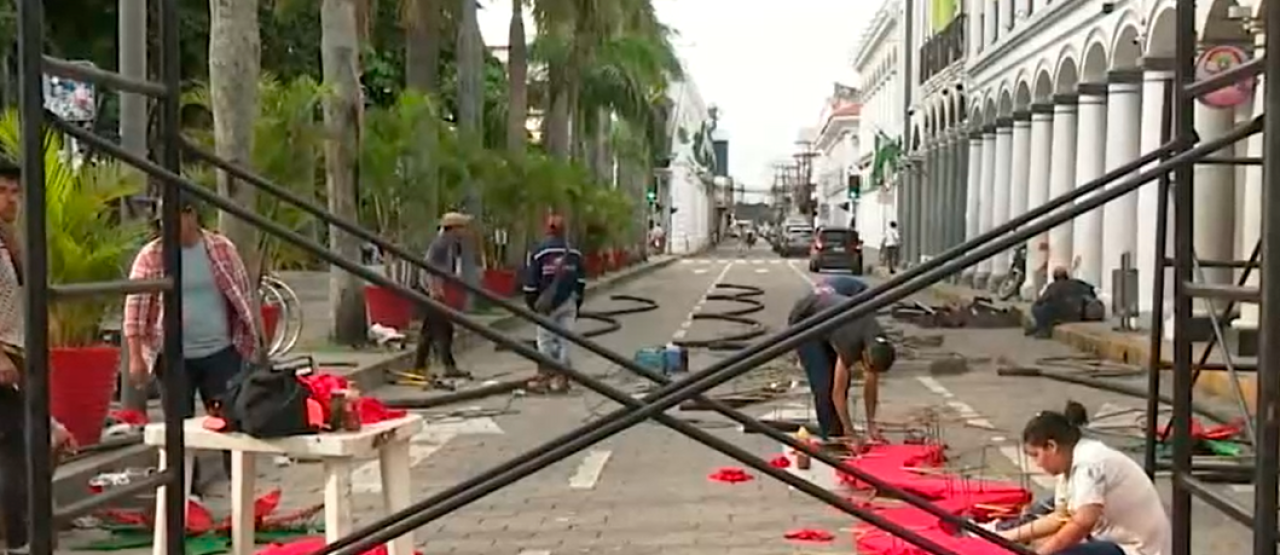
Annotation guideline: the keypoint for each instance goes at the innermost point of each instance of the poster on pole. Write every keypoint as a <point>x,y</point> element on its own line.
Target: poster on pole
<point>74,101</point>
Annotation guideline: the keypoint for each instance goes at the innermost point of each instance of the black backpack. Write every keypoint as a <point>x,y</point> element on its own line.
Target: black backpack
<point>268,401</point>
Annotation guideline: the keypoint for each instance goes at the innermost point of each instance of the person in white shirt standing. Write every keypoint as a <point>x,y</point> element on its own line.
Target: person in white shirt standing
<point>889,248</point>
<point>1104,502</point>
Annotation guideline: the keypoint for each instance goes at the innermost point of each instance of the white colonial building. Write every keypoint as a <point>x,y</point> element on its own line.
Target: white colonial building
<point>688,192</point>
<point>878,62</point>
<point>836,145</point>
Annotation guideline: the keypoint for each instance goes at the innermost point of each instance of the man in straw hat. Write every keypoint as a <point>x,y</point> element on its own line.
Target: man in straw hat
<point>444,253</point>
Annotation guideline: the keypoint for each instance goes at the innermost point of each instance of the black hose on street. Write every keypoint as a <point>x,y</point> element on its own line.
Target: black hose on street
<point>608,317</point>
<point>743,294</point>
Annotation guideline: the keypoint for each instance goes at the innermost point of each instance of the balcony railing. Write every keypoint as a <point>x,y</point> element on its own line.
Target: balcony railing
<point>943,49</point>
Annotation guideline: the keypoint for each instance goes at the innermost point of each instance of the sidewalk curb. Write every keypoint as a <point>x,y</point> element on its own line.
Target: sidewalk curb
<point>373,376</point>
<point>1111,346</point>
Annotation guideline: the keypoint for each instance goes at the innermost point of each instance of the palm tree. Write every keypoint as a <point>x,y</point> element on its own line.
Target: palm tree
<point>234,67</point>
<point>517,81</point>
<point>424,29</point>
<point>340,59</point>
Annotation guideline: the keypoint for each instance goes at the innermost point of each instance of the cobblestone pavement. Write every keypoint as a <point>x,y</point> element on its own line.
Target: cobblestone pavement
<point>646,491</point>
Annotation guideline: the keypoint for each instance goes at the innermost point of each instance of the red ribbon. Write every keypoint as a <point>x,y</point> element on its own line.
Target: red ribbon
<point>731,475</point>
<point>810,535</point>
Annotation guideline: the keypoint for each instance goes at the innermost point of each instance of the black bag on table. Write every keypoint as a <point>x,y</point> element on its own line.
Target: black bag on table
<point>268,401</point>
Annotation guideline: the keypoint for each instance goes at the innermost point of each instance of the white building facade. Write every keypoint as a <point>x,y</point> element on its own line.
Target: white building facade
<point>688,198</point>
<point>836,144</point>
<point>1050,95</point>
<point>878,61</point>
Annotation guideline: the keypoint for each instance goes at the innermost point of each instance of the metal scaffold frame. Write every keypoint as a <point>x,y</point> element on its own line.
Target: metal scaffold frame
<point>1177,155</point>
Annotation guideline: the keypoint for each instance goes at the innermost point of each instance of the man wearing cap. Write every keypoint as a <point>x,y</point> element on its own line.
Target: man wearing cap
<point>444,254</point>
<point>13,442</point>
<point>219,328</point>
<point>828,361</point>
<point>554,286</point>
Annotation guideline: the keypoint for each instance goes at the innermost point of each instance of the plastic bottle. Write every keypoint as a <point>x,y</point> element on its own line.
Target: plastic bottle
<point>803,461</point>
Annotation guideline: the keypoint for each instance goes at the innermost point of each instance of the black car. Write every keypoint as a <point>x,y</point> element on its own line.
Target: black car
<point>836,248</point>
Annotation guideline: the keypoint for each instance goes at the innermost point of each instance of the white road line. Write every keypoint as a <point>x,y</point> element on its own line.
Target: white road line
<point>535,552</point>
<point>688,319</point>
<point>700,270</point>
<point>1242,488</point>
<point>973,418</point>
<point>589,470</point>
<point>762,270</point>
<point>804,276</point>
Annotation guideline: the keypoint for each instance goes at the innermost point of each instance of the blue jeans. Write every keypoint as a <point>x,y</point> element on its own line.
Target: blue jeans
<point>552,345</point>
<point>1093,547</point>
<point>819,363</point>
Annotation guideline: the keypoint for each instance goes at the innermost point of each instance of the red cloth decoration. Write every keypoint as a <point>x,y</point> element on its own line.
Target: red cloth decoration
<point>780,461</point>
<point>1219,433</point>
<point>731,475</point>
<point>371,410</point>
<point>128,416</point>
<point>307,546</point>
<point>810,535</point>
<point>900,466</point>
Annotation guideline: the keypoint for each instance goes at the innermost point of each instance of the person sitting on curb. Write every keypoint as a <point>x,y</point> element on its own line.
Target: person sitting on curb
<point>1065,299</point>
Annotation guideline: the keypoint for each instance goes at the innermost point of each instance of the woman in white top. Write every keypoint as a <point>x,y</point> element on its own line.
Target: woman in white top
<point>1104,504</point>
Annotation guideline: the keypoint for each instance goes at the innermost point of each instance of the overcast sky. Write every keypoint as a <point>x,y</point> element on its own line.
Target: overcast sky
<point>768,64</point>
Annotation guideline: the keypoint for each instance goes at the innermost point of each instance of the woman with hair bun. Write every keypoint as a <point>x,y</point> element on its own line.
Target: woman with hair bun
<point>1104,504</point>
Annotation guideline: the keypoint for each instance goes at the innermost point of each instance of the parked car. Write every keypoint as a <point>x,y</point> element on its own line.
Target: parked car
<point>836,248</point>
<point>796,241</point>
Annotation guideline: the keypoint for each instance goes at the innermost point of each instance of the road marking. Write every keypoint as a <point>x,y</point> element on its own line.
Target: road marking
<point>688,319</point>
<point>589,470</point>
<point>806,277</point>
<point>973,418</point>
<point>535,552</point>
<point>700,270</point>
<point>1242,488</point>
<point>762,270</point>
<point>367,478</point>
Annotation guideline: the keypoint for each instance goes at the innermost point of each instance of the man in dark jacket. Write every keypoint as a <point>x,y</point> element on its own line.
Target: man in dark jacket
<point>1065,299</point>
<point>555,283</point>
<point>828,361</point>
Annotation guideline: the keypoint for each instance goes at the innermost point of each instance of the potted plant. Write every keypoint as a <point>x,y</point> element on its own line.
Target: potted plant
<point>87,243</point>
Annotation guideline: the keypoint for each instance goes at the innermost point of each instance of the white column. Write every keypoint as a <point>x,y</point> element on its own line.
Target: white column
<point>1090,155</point>
<point>1038,193</point>
<point>971,194</point>
<point>1119,217</point>
<point>1000,198</point>
<point>1062,176</point>
<point>1019,188</point>
<point>1214,199</point>
<point>1156,79</point>
<point>1251,216</point>
<point>986,202</point>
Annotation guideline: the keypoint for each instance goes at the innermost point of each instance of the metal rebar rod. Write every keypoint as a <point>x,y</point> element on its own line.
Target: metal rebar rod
<point>1185,38</point>
<point>1155,356</point>
<point>1218,81</point>
<point>173,378</point>
<point>358,543</point>
<point>36,265</point>
<point>110,79</point>
<point>1267,408</point>
<point>859,306</point>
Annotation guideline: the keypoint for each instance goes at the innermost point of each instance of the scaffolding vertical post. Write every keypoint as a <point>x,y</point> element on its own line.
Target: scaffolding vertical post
<point>1155,354</point>
<point>36,279</point>
<point>174,370</point>
<point>1184,199</point>
<point>1268,390</point>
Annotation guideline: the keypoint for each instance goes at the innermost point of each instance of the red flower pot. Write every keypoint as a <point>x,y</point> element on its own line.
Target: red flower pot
<point>595,265</point>
<point>81,382</point>
<point>501,282</point>
<point>455,296</point>
<point>270,321</point>
<point>385,307</point>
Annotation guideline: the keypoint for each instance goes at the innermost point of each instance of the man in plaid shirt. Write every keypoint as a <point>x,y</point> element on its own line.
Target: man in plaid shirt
<point>219,330</point>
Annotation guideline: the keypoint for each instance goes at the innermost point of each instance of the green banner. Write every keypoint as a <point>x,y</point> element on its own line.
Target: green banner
<point>942,12</point>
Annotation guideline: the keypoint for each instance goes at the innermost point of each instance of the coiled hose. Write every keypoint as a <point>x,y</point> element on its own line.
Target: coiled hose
<point>608,317</point>
<point>743,294</point>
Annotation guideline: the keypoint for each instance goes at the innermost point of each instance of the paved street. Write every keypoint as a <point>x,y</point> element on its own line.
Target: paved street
<point>646,491</point>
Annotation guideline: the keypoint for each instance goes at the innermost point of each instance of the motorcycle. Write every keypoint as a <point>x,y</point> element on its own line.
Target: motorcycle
<point>1012,284</point>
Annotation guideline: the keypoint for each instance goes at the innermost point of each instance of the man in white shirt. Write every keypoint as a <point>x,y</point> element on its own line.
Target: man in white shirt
<point>889,248</point>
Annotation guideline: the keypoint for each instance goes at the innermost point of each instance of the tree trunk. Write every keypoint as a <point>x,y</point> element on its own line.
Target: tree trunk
<point>557,123</point>
<point>340,58</point>
<point>517,81</point>
<point>422,45</point>
<point>234,69</point>
<point>470,62</point>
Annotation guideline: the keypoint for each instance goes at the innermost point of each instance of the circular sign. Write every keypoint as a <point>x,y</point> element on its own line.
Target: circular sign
<point>1217,60</point>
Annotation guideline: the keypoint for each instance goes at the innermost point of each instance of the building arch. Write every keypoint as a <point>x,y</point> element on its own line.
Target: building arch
<point>1022,97</point>
<point>1094,61</point>
<point>1043,91</point>
<point>1126,48</point>
<point>989,110</point>
<point>1161,32</point>
<point>1215,24</point>
<point>976,115</point>
<point>1066,74</point>
<point>1005,105</point>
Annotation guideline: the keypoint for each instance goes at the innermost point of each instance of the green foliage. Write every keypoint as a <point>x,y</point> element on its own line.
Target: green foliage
<point>399,187</point>
<point>87,241</point>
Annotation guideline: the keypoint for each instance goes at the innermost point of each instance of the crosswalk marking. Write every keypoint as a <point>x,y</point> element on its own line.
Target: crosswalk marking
<point>756,261</point>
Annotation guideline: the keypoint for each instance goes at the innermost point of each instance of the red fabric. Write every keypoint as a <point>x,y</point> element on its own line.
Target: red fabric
<point>371,410</point>
<point>780,461</point>
<point>810,535</point>
<point>731,475</point>
<point>307,546</point>
<point>901,466</point>
<point>128,416</point>
<point>1219,432</point>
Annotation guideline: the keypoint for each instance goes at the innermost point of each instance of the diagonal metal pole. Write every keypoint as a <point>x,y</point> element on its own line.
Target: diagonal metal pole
<point>681,426</point>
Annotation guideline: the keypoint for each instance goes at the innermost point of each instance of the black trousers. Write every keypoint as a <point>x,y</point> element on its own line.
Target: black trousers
<point>13,466</point>
<point>207,376</point>
<point>437,332</point>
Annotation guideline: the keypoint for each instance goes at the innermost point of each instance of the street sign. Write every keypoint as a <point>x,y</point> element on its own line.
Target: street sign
<point>71,100</point>
<point>1217,60</point>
